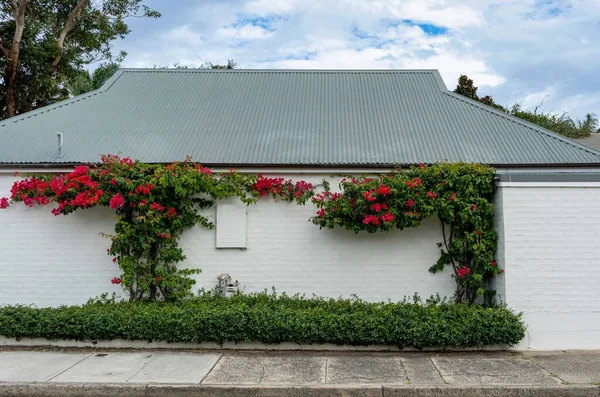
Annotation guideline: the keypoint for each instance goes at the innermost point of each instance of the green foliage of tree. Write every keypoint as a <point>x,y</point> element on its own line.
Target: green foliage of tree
<point>86,81</point>
<point>560,123</point>
<point>231,64</point>
<point>45,43</point>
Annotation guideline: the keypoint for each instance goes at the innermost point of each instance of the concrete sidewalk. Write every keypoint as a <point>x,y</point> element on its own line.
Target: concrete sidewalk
<point>165,373</point>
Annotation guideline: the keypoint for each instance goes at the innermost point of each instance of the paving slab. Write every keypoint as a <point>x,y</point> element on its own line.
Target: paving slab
<point>421,371</point>
<point>176,368</point>
<point>264,391</point>
<point>26,366</point>
<point>354,369</point>
<point>269,369</point>
<point>492,371</point>
<point>491,391</point>
<point>581,367</point>
<point>106,368</point>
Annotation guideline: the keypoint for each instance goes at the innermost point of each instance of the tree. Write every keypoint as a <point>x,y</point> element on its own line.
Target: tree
<point>560,123</point>
<point>589,123</point>
<point>467,88</point>
<point>86,81</point>
<point>231,64</point>
<point>45,43</point>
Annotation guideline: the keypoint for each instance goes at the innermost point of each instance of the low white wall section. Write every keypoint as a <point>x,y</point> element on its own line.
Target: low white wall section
<point>50,261</point>
<point>551,254</point>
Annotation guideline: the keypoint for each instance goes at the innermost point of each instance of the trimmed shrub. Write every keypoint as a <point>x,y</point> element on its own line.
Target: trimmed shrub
<point>271,319</point>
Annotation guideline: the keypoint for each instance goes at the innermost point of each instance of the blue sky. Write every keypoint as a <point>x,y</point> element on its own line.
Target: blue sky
<point>516,50</point>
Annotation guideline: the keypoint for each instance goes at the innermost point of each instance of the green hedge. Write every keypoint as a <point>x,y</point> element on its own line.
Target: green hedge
<point>271,319</point>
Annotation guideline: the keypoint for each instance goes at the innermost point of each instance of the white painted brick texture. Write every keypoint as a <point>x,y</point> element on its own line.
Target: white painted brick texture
<point>49,261</point>
<point>552,261</point>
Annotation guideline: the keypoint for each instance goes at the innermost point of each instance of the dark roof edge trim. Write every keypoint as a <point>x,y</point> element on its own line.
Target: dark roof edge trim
<point>550,177</point>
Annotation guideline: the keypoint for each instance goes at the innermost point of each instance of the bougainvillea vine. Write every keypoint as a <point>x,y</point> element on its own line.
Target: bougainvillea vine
<point>156,203</point>
<point>459,194</point>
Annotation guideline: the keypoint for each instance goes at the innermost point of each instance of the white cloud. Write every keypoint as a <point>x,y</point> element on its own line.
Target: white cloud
<point>248,32</point>
<point>515,50</point>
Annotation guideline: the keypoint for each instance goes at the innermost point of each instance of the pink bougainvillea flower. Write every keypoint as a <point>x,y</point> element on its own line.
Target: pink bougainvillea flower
<point>115,280</point>
<point>388,217</point>
<point>3,203</point>
<point>410,203</point>
<point>431,195</point>
<point>371,219</point>
<point>463,272</point>
<point>321,213</point>
<point>377,207</point>
<point>117,201</point>
<point>474,207</point>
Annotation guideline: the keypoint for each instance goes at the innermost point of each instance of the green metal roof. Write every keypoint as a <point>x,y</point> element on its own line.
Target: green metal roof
<point>282,117</point>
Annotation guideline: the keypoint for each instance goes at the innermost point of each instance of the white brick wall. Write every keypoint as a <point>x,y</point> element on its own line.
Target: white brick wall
<point>548,245</point>
<point>47,260</point>
<point>552,261</point>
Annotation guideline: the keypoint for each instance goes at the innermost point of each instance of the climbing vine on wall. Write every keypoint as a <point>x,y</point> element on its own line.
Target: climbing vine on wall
<point>156,203</point>
<point>459,194</point>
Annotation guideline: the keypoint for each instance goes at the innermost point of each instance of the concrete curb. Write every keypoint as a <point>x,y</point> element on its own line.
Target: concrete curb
<point>196,390</point>
<point>284,346</point>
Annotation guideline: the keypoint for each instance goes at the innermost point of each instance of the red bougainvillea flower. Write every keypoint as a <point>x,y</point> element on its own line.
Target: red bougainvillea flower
<point>164,235</point>
<point>388,217</point>
<point>369,196</point>
<point>431,195</point>
<point>371,219</point>
<point>452,196</point>
<point>463,272</point>
<point>376,207</point>
<point>493,264</point>
<point>474,207</point>
<point>171,213</point>
<point>421,165</point>
<point>157,207</point>
<point>384,190</point>
<point>144,189</point>
<point>478,232</point>
<point>410,203</point>
<point>3,203</point>
<point>203,170</point>
<point>157,280</point>
<point>321,213</point>
<point>115,280</point>
<point>117,201</point>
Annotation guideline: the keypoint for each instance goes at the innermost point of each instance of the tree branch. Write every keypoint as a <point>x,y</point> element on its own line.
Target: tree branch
<point>70,24</point>
<point>4,50</point>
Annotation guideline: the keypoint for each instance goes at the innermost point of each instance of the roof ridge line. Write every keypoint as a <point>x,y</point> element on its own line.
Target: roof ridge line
<point>349,71</point>
<point>105,87</point>
<point>525,123</point>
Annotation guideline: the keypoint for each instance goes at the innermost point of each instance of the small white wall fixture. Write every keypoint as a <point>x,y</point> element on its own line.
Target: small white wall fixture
<point>231,226</point>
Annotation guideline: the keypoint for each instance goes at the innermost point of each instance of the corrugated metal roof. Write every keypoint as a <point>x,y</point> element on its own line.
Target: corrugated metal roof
<point>282,117</point>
